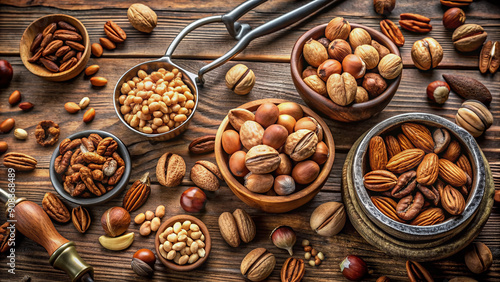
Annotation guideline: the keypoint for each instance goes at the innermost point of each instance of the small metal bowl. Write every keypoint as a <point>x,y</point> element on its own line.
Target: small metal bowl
<point>56,179</point>
<point>408,232</point>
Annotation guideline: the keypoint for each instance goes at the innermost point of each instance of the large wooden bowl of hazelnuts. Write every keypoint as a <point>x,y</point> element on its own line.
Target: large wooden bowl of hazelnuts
<point>354,111</point>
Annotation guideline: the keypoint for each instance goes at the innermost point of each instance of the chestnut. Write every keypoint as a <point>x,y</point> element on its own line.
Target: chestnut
<point>309,71</point>
<point>267,114</point>
<point>438,91</point>
<point>354,65</point>
<point>374,84</point>
<point>291,108</point>
<point>193,199</point>
<point>321,154</point>
<point>305,123</point>
<point>115,221</point>
<point>328,68</point>
<point>353,268</point>
<point>6,73</point>
<point>287,121</point>
<point>284,185</point>
<point>146,256</point>
<point>237,164</point>
<point>231,141</point>
<point>275,136</point>
<point>305,172</point>
<point>285,167</point>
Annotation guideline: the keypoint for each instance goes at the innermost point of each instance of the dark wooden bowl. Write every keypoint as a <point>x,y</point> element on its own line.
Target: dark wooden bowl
<point>38,26</point>
<point>353,112</point>
<point>170,222</point>
<point>274,204</point>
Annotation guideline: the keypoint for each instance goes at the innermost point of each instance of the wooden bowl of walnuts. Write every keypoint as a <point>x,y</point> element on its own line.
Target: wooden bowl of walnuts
<point>354,79</point>
<point>277,159</point>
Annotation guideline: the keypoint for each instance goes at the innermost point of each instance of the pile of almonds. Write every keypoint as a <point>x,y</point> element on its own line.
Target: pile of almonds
<point>345,58</point>
<point>427,173</point>
<point>282,148</point>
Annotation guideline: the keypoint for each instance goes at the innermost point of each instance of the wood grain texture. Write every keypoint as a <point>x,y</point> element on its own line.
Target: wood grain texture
<point>268,57</point>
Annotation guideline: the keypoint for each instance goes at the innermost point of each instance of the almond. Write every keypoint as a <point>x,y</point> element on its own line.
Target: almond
<point>429,217</point>
<point>453,151</point>
<point>377,153</point>
<point>452,201</point>
<point>380,180</point>
<point>106,43</point>
<point>89,115</point>
<point>464,164</point>
<point>451,173</point>
<point>26,106</point>
<point>406,160</point>
<point>419,136</point>
<point>392,146</point>
<point>404,142</point>
<point>15,97</point>
<point>387,206</point>
<point>427,171</point>
<point>96,49</point>
<point>90,70</point>
<point>71,107</point>
<point>7,125</point>
<point>98,81</point>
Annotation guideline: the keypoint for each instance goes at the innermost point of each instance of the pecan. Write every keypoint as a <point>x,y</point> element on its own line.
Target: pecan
<point>97,175</point>
<point>46,40</point>
<point>407,182</point>
<point>406,160</point>
<point>202,145</point>
<point>68,64</point>
<point>106,146</point>
<point>62,51</point>
<point>430,193</point>
<point>52,58</point>
<point>62,162</point>
<point>68,186</point>
<point>118,159</point>
<point>89,145</point>
<point>293,270</point>
<point>379,180</point>
<point>113,180</point>
<point>52,47</point>
<point>137,194</point>
<point>51,66</point>
<point>77,157</point>
<point>109,167</point>
<point>392,145</point>
<point>36,42</point>
<point>64,34</point>
<point>81,218</point>
<point>76,167</point>
<point>47,129</point>
<point>74,177</point>
<point>55,208</point>
<point>19,161</point>
<point>68,144</point>
<point>75,45</point>
<point>93,157</point>
<point>429,217</point>
<point>451,173</point>
<point>79,55</point>
<point>390,29</point>
<point>68,56</point>
<point>452,201</point>
<point>114,32</point>
<point>456,3</point>
<point>101,187</point>
<point>95,166</point>
<point>410,206</point>
<point>377,153</point>
<point>415,22</point>
<point>49,29</point>
<point>170,170</point>
<point>417,273</point>
<point>387,206</point>
<point>490,57</point>
<point>86,175</point>
<point>80,188</point>
<point>37,55</point>
<point>65,25</point>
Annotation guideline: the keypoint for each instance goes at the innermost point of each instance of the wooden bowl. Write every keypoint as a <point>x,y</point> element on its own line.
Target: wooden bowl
<point>170,222</point>
<point>274,204</point>
<point>323,104</point>
<point>38,26</point>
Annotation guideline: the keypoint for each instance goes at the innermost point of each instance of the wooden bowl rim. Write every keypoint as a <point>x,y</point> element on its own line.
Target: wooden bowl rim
<point>297,74</point>
<point>233,183</point>
<point>169,222</point>
<point>46,73</point>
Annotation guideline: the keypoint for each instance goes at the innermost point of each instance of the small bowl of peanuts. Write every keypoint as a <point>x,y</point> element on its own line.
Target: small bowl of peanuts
<point>183,243</point>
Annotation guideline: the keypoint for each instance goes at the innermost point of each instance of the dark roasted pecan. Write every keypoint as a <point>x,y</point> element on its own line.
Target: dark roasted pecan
<point>93,157</point>
<point>118,159</point>
<point>106,147</point>
<point>36,42</point>
<point>64,34</point>
<point>62,51</point>
<point>19,161</point>
<point>62,162</point>
<point>46,40</point>
<point>415,23</point>
<point>114,32</point>
<point>410,206</point>
<point>86,175</point>
<point>68,56</point>
<point>417,273</point>
<point>113,180</point>
<point>53,206</point>
<point>68,64</point>
<point>95,138</point>
<point>77,157</point>
<point>405,185</point>
<point>51,66</point>
<point>97,175</point>
<point>52,47</point>
<point>47,133</point>
<point>65,25</point>
<point>430,193</point>
<point>89,145</point>
<point>68,144</point>
<point>75,45</point>
<point>390,29</point>
<point>37,55</point>
<point>49,29</point>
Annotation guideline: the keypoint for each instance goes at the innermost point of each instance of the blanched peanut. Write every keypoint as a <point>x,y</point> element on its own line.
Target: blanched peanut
<point>145,229</point>
<point>167,246</point>
<point>140,218</point>
<point>186,225</point>
<point>177,227</point>
<point>149,215</point>
<point>160,211</point>
<point>172,238</point>
<point>201,252</point>
<point>196,235</point>
<point>183,260</point>
<point>194,247</point>
<point>171,255</point>
<point>179,246</point>
<point>193,258</point>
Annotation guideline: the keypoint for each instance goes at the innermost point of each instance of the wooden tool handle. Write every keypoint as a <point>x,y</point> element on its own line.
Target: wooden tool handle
<point>35,224</point>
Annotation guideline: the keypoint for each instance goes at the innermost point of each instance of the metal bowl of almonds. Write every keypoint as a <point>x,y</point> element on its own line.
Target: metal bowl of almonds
<point>419,177</point>
<point>90,167</point>
<point>183,243</point>
<point>348,72</point>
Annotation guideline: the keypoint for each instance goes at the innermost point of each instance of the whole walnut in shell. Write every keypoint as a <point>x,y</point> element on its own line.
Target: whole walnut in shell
<point>142,18</point>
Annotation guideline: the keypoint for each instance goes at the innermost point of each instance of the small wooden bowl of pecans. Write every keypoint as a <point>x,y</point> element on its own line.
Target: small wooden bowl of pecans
<point>90,167</point>
<point>65,51</point>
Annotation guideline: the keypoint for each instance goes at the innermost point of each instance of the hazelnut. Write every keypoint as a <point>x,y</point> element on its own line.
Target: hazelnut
<point>240,79</point>
<point>328,68</point>
<point>390,66</point>
<point>426,53</point>
<point>141,17</point>
<point>354,65</point>
<point>287,121</point>
<point>374,84</point>
<point>275,136</point>
<point>115,221</point>
<point>314,53</point>
<point>368,54</point>
<point>259,183</point>
<point>309,71</point>
<point>381,49</point>
<point>291,108</point>
<point>285,167</point>
<point>321,154</point>
<point>325,41</point>
<point>359,36</point>
<point>237,164</point>
<point>384,7</point>
<point>339,49</point>
<point>305,172</point>
<point>305,123</point>
<point>342,88</point>
<point>438,91</point>
<point>231,141</point>
<point>284,185</point>
<point>361,95</point>
<point>316,84</point>
<point>337,28</point>
<point>453,18</point>
<point>267,114</point>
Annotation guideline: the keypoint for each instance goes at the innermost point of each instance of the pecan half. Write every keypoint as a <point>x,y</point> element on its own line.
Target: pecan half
<point>47,133</point>
<point>390,29</point>
<point>19,161</point>
<point>407,182</point>
<point>55,208</point>
<point>170,170</point>
<point>65,25</point>
<point>93,157</point>
<point>46,40</point>
<point>86,175</point>
<point>417,273</point>
<point>415,22</point>
<point>68,56</point>
<point>293,270</point>
<point>36,56</point>
<point>62,162</point>
<point>81,218</point>
<point>77,157</point>
<point>106,147</point>
<point>5,236</point>
<point>68,64</point>
<point>430,193</point>
<point>489,60</point>
<point>137,195</point>
<point>89,145</point>
<point>36,43</point>
<point>75,45</point>
<point>456,3</point>
<point>62,51</point>
<point>113,180</point>
<point>114,32</point>
<point>79,188</point>
<point>410,206</point>
<point>52,47</point>
<point>68,144</point>
<point>202,145</point>
<point>51,66</point>
<point>97,175</point>
<point>118,159</point>
<point>64,34</point>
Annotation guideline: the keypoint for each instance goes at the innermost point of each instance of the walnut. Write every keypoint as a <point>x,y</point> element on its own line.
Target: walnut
<point>142,18</point>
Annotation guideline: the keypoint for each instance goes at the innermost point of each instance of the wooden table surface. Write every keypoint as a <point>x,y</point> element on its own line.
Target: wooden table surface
<point>269,59</point>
